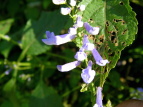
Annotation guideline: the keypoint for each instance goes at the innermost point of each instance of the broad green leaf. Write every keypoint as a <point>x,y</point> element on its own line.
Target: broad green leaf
<point>118,26</point>
<point>44,96</point>
<point>35,31</point>
<point>5,25</point>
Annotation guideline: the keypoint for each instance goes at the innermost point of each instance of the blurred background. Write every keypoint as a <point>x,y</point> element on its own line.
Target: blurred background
<point>28,74</point>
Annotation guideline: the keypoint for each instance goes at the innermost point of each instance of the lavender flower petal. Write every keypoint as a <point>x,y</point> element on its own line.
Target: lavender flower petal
<point>57,40</point>
<point>98,58</point>
<point>99,97</point>
<point>65,11</point>
<point>88,74</point>
<point>80,55</point>
<point>58,2</point>
<point>79,23</point>
<point>90,29</point>
<point>68,66</point>
<point>86,44</point>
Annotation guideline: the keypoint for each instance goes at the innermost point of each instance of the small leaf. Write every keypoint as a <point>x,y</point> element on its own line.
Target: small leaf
<point>5,25</point>
<point>109,104</point>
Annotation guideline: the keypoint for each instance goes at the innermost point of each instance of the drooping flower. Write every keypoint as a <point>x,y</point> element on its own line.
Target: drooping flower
<point>82,7</point>
<point>65,10</point>
<point>88,74</point>
<point>72,2</point>
<point>58,2</point>
<point>72,30</point>
<point>57,40</point>
<point>80,55</point>
<point>98,97</point>
<point>99,60</point>
<point>69,66</point>
<point>79,23</point>
<point>86,44</point>
<point>90,29</point>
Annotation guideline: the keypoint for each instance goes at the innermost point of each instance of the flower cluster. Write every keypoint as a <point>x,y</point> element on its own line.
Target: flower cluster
<point>87,74</point>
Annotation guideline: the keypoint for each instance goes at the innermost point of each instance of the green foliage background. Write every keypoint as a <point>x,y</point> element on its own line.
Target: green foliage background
<point>33,80</point>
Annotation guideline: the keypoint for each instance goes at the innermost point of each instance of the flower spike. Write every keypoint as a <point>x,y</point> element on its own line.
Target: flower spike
<point>88,74</point>
<point>69,66</point>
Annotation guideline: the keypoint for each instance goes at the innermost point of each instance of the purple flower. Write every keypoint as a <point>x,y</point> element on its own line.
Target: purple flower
<point>68,66</point>
<point>80,55</point>
<point>58,2</point>
<point>65,10</point>
<point>140,89</point>
<point>98,97</point>
<point>98,58</point>
<point>79,23</point>
<point>57,40</point>
<point>88,74</point>
<point>86,44</point>
<point>90,29</point>
<point>7,72</point>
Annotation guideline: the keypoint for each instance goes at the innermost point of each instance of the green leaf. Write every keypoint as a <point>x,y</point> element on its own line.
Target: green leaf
<point>118,26</point>
<point>5,25</point>
<point>109,104</point>
<point>35,31</point>
<point>10,85</point>
<point>44,96</point>
<point>5,48</point>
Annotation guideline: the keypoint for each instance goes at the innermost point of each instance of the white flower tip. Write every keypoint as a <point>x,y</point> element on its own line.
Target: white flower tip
<point>72,2</point>
<point>94,31</point>
<point>60,68</point>
<point>65,11</point>
<point>82,7</point>
<point>95,105</point>
<point>88,46</point>
<point>58,2</point>
<point>79,23</point>
<point>80,56</point>
<point>102,62</point>
<point>72,30</point>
